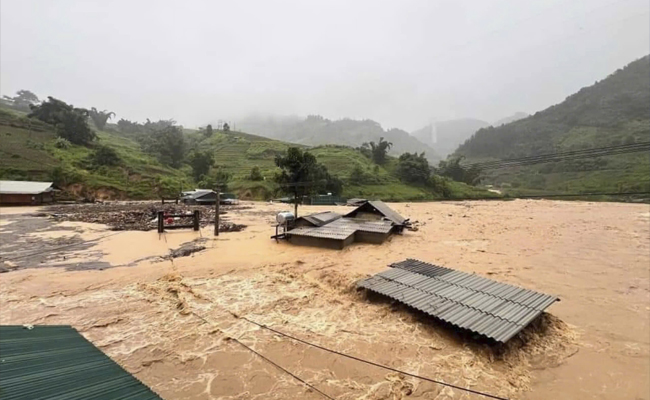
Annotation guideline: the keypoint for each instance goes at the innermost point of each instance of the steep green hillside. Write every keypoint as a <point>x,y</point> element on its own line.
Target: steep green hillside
<point>611,112</point>
<point>31,151</point>
<point>237,153</point>
<point>28,151</point>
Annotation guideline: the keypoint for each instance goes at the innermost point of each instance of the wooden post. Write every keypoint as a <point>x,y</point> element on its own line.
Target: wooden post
<point>161,222</point>
<point>197,218</point>
<point>295,202</point>
<point>216,213</point>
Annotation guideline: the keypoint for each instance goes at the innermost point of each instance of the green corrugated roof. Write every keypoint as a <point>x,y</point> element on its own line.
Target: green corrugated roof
<point>56,362</point>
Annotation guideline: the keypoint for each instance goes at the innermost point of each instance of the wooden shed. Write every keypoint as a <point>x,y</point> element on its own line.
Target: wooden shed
<point>25,193</point>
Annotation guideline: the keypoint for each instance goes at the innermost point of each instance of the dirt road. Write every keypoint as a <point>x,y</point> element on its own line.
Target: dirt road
<point>168,320</point>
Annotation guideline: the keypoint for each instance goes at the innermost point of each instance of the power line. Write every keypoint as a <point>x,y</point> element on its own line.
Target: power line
<point>590,152</point>
<point>278,366</point>
<point>310,386</point>
<point>370,362</point>
<point>562,156</point>
<point>491,396</point>
<point>548,195</point>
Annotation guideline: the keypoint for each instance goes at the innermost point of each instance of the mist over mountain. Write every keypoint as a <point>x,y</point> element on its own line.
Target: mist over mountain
<point>316,130</point>
<point>446,136</point>
<point>512,118</point>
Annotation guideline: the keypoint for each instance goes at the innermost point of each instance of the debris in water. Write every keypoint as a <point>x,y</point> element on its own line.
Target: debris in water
<point>137,216</point>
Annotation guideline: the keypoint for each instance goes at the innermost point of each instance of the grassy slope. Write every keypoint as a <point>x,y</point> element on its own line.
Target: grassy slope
<point>238,152</point>
<point>28,152</point>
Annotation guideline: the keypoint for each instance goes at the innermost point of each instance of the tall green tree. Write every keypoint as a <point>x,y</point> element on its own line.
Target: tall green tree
<point>201,161</point>
<point>357,175</point>
<point>167,144</point>
<point>126,126</point>
<point>208,130</point>
<point>413,168</point>
<point>301,175</point>
<point>70,122</point>
<point>378,151</point>
<point>451,168</point>
<point>100,117</point>
<point>255,174</point>
<point>21,101</point>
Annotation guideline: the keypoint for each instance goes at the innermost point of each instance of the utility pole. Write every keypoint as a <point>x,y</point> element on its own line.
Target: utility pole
<point>216,213</point>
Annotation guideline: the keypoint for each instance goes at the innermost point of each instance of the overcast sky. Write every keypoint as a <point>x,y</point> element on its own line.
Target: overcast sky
<point>402,63</point>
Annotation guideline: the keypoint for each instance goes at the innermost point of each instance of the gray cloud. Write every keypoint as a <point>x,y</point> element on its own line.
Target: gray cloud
<point>402,63</point>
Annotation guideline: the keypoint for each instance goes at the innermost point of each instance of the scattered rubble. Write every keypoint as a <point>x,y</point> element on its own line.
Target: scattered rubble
<point>120,216</point>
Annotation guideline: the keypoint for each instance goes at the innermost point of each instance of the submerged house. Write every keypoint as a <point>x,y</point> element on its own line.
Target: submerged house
<point>26,193</point>
<point>372,222</point>
<point>207,197</point>
<point>200,197</point>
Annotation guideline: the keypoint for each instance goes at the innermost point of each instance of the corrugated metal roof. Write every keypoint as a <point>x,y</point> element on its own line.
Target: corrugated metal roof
<point>55,362</point>
<point>324,232</point>
<point>342,228</point>
<point>364,226</point>
<point>322,218</point>
<point>496,310</point>
<point>24,187</point>
<point>381,208</point>
<point>388,212</point>
<point>198,193</point>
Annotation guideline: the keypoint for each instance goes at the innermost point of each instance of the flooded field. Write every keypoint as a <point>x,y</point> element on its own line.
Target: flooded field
<point>170,320</point>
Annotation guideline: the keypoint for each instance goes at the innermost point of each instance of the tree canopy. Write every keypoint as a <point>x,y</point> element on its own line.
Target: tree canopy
<point>201,161</point>
<point>100,117</point>
<point>167,144</point>
<point>413,168</point>
<point>105,155</point>
<point>70,122</point>
<point>21,101</point>
<point>255,174</point>
<point>451,168</point>
<point>301,175</point>
<point>377,151</point>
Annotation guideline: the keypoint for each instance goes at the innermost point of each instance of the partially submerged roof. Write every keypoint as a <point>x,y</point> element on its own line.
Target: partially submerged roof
<point>378,207</point>
<point>342,228</point>
<point>322,218</point>
<point>484,306</point>
<point>355,201</point>
<point>25,187</point>
<point>56,362</point>
<point>198,193</point>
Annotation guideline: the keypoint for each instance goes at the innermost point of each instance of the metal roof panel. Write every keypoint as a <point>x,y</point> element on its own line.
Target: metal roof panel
<point>56,362</point>
<point>493,309</point>
<point>24,187</point>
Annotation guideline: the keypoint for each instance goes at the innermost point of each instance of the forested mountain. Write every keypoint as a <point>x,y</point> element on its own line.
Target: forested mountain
<point>613,111</point>
<point>514,117</point>
<point>446,136</point>
<point>316,130</point>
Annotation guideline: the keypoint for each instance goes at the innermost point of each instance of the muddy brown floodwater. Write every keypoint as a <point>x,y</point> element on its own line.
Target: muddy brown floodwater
<point>168,320</point>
